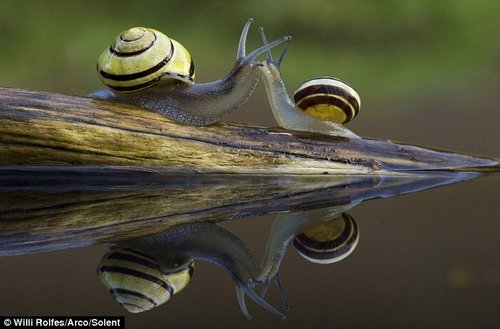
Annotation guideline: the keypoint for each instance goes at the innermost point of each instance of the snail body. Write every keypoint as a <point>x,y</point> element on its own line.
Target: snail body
<point>320,105</point>
<point>143,67</point>
<point>171,254</point>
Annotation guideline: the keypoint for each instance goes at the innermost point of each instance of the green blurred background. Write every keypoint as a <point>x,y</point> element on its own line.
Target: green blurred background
<point>427,71</point>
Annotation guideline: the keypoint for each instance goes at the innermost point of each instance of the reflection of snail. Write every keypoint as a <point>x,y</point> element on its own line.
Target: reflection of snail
<point>144,67</point>
<point>328,242</point>
<point>138,282</point>
<point>322,236</point>
<point>320,105</point>
<point>155,257</point>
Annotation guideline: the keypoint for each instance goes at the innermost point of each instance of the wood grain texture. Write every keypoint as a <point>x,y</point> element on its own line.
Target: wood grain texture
<point>46,129</point>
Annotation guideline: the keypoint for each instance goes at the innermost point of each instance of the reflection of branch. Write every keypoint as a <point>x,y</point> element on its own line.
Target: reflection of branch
<point>49,129</point>
<point>52,210</point>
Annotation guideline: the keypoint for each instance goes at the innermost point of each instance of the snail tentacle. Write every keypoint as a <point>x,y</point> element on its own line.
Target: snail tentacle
<point>266,48</point>
<point>277,63</point>
<point>243,40</point>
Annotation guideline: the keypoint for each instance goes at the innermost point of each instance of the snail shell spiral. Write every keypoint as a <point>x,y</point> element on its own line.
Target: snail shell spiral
<point>136,280</point>
<point>139,57</point>
<point>328,242</point>
<point>328,98</point>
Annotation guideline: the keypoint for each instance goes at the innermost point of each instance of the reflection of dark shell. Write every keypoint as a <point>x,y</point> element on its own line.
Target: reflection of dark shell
<point>328,242</point>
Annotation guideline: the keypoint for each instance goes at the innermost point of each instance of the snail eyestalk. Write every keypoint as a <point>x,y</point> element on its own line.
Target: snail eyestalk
<point>243,40</point>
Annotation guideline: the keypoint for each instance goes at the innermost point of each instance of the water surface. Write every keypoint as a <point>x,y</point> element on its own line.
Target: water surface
<point>424,260</point>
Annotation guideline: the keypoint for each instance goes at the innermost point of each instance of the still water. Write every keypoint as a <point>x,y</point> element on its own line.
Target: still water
<point>421,251</point>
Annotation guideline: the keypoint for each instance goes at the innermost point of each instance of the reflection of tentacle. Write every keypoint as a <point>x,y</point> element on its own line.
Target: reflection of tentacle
<point>276,279</point>
<point>211,243</point>
<point>284,299</point>
<point>241,290</point>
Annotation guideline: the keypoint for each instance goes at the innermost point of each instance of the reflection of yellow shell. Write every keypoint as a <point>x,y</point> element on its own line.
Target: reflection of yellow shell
<point>329,99</point>
<point>179,275</point>
<point>136,280</point>
<point>139,57</point>
<point>328,242</point>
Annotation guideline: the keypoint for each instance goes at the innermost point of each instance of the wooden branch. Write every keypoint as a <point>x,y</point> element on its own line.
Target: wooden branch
<point>45,129</point>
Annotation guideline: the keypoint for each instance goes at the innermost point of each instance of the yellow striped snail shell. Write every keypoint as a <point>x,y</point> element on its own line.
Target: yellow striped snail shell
<point>138,282</point>
<point>329,99</point>
<point>139,57</point>
<point>329,241</point>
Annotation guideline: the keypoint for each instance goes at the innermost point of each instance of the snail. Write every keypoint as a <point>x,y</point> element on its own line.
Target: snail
<point>146,68</point>
<point>328,242</point>
<point>138,282</point>
<point>320,105</point>
<point>162,265</point>
<point>322,236</point>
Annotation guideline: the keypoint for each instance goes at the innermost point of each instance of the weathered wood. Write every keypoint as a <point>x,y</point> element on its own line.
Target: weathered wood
<point>38,128</point>
<point>50,210</point>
